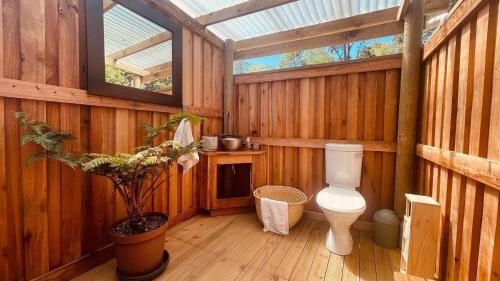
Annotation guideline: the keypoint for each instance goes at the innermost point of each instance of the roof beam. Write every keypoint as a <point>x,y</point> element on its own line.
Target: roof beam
<point>331,27</point>
<point>156,76</point>
<point>430,6</point>
<point>403,9</point>
<point>126,67</point>
<point>364,33</point>
<point>178,15</point>
<point>239,10</point>
<point>160,67</point>
<point>108,5</point>
<point>143,45</point>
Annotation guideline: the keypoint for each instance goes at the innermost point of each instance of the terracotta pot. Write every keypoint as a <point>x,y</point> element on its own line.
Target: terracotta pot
<point>140,254</point>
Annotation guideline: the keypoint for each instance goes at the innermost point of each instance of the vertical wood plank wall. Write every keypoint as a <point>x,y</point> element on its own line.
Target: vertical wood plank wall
<point>352,106</point>
<point>51,215</point>
<point>460,112</point>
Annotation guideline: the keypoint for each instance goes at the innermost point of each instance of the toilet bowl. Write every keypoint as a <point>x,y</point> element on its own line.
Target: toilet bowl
<point>341,207</point>
<point>340,202</point>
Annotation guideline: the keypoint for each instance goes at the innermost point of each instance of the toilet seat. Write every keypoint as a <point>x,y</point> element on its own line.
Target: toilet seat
<point>340,199</point>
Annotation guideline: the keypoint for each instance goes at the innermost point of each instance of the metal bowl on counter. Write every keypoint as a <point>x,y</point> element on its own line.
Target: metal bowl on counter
<point>231,142</point>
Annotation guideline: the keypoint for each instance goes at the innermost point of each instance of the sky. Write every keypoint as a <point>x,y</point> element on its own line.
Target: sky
<point>274,59</point>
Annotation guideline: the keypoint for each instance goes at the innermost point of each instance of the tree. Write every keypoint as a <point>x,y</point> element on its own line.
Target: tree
<point>377,48</point>
<point>427,34</point>
<point>341,52</point>
<point>306,57</point>
<point>258,68</point>
<point>159,85</point>
<point>117,76</point>
<point>241,67</point>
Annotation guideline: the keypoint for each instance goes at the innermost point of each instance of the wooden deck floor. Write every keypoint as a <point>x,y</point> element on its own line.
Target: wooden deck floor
<point>235,248</point>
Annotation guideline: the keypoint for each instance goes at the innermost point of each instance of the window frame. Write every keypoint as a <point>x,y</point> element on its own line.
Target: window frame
<point>96,84</point>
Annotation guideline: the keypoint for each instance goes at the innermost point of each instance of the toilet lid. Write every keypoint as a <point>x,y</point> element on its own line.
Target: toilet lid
<point>340,199</point>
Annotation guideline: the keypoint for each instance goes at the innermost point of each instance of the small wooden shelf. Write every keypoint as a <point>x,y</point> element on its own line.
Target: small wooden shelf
<point>420,236</point>
<point>228,178</point>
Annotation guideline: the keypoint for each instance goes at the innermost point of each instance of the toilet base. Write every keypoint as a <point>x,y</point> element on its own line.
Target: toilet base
<point>340,243</point>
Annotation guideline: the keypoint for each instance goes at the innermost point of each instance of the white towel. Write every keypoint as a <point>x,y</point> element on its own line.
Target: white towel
<point>274,215</point>
<point>184,137</point>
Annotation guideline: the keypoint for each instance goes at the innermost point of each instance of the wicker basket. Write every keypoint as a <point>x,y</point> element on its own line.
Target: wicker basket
<point>295,198</point>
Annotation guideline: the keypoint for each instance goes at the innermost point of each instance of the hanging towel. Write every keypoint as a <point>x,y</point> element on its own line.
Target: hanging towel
<point>184,137</point>
<point>274,215</point>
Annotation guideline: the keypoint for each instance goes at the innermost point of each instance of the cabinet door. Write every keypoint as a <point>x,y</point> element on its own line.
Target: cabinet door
<point>233,185</point>
<point>234,180</point>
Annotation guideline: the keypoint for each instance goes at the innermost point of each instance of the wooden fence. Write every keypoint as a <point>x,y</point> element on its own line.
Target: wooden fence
<point>53,220</point>
<point>296,112</point>
<point>459,146</point>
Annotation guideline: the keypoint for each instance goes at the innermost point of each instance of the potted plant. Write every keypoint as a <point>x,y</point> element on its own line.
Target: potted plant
<point>138,238</point>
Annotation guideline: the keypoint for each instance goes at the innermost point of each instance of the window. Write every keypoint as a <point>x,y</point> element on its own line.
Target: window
<point>134,52</point>
<point>383,46</point>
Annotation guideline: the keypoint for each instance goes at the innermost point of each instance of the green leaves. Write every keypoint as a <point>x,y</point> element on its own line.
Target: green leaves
<point>170,125</point>
<point>40,133</point>
<point>127,171</point>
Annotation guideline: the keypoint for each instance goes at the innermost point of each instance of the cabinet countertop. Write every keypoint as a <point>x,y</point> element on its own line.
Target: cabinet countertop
<point>239,152</point>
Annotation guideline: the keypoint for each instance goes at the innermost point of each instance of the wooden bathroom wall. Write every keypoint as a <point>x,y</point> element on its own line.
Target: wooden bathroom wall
<point>295,112</point>
<point>53,219</point>
<point>459,148</point>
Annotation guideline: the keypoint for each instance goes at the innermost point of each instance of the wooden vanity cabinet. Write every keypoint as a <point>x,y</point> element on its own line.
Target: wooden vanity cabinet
<point>227,180</point>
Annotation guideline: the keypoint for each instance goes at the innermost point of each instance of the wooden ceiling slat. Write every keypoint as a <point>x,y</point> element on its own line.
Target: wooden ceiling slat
<point>160,67</point>
<point>143,45</point>
<point>364,33</point>
<point>331,27</point>
<point>178,15</point>
<point>239,10</point>
<point>129,68</point>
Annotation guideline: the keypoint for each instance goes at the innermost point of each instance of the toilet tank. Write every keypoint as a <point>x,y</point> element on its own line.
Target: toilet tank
<point>343,164</point>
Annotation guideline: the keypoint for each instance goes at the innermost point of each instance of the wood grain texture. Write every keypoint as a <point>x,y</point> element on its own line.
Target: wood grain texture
<point>235,248</point>
<point>459,139</point>
<point>53,219</point>
<point>295,117</point>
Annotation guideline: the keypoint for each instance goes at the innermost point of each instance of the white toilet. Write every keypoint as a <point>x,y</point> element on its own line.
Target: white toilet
<point>340,202</point>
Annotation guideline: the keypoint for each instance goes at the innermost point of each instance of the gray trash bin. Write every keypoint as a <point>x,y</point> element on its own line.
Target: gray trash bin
<point>386,229</point>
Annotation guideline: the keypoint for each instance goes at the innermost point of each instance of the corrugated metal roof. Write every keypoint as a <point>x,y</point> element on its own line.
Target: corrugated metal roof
<point>124,28</point>
<point>285,17</point>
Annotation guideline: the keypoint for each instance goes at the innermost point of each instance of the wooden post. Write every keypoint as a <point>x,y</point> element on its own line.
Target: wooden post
<point>137,82</point>
<point>408,104</point>
<point>228,87</point>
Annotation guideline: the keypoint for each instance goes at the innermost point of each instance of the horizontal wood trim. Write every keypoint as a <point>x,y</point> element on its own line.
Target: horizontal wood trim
<point>239,10</point>
<point>336,68</point>
<point>364,33</point>
<point>205,112</point>
<point>181,17</point>
<point>379,146</point>
<point>234,159</point>
<point>477,168</point>
<point>36,91</point>
<point>79,266</point>
<point>330,27</point>
<point>460,12</point>
<point>232,153</point>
